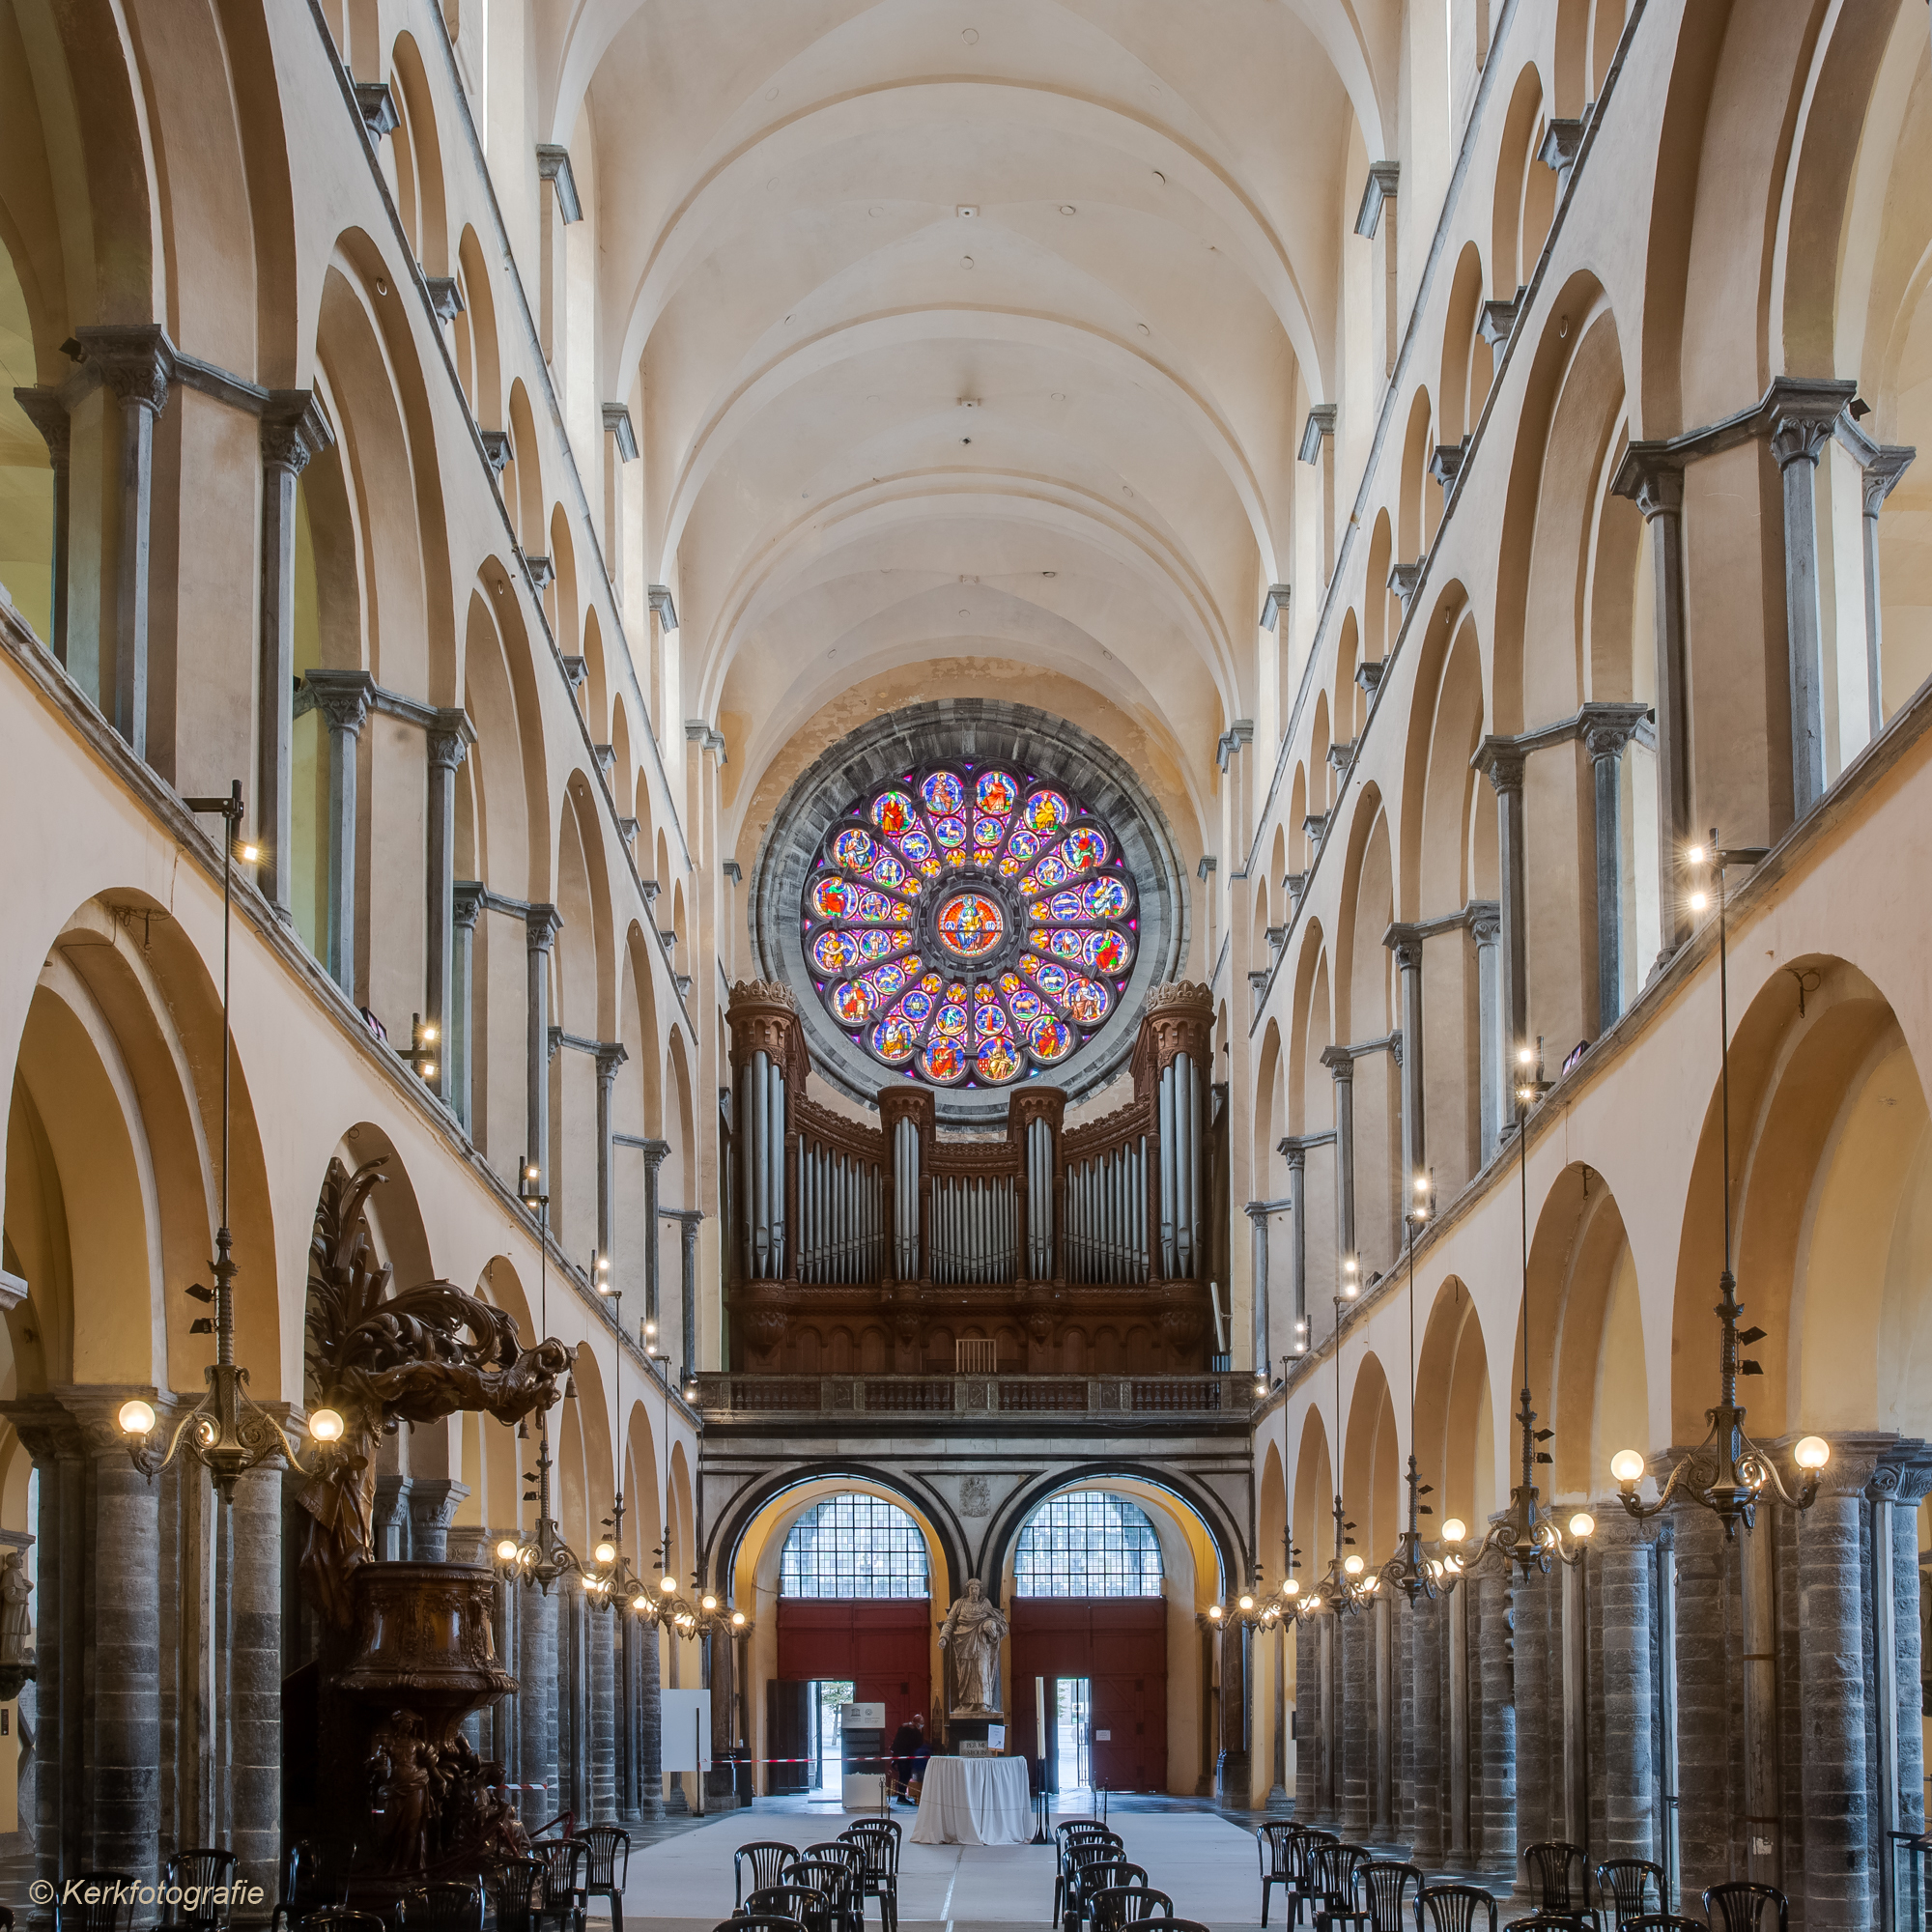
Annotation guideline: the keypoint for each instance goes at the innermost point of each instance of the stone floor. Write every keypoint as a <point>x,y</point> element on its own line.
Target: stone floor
<point>1202,1856</point>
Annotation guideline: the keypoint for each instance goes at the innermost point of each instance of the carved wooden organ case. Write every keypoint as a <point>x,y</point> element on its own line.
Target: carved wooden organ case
<point>890,1249</point>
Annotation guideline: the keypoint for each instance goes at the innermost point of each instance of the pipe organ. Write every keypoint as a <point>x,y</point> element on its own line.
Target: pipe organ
<point>877,1249</point>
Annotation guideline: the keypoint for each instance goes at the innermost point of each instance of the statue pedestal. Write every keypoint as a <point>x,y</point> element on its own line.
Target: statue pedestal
<point>970,1730</point>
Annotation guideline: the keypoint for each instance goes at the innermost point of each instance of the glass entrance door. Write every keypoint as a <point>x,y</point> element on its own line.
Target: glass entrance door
<point>1073,1735</point>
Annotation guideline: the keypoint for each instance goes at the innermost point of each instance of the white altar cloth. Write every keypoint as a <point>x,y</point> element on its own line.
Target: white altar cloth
<point>974,1801</point>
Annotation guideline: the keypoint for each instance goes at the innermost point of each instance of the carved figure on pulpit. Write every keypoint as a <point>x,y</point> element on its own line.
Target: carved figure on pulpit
<point>971,1637</point>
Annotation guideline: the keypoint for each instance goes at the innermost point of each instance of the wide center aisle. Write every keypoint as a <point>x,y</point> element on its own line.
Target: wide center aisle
<point>974,1801</point>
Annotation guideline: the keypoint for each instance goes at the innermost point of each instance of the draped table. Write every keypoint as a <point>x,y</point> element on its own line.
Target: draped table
<point>975,1800</point>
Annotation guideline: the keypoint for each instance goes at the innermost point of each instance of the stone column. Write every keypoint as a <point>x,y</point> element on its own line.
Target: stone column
<point>448,740</point>
<point>609,1056</point>
<point>1655,484</point>
<point>1538,1699</point>
<point>1355,1730</point>
<point>1710,1695</point>
<point>1406,943</point>
<point>654,1153</point>
<point>1504,764</point>
<point>136,366</point>
<point>1492,1730</point>
<point>465,908</point>
<point>293,429</point>
<point>1881,476</point>
<point>433,1504</point>
<point>1297,1240</point>
<point>1231,1780</point>
<point>603,1643</point>
<point>650,1722</point>
<point>1257,1225</point>
<point>1307,1721</point>
<point>1493,1075</point>
<point>536,1703</point>
<point>44,410</point>
<point>1422,1734</point>
<point>542,924</point>
<point>253,1522</point>
<point>1623,1570</point>
<point>1605,741</point>
<point>342,697</point>
<point>1805,413</point>
<point>1458,1853</point>
<point>688,1286</point>
<point>122,1766</point>
<point>1340,1062</point>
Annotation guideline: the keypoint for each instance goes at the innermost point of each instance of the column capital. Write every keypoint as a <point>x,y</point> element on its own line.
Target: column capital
<point>611,1055</point>
<point>1257,1211</point>
<point>1405,943</point>
<point>1485,921</point>
<point>1881,476</point>
<point>497,450</point>
<point>48,414</point>
<point>655,1153</point>
<point>1294,1153</point>
<point>1501,760</point>
<point>1339,1062</point>
<point>342,697</point>
<point>1652,476</point>
<point>136,363</point>
<point>449,737</point>
<point>469,895</point>
<point>94,1409</point>
<point>433,1502</point>
<point>542,924</point>
<point>293,430</point>
<point>1606,728</point>
<point>1801,413</point>
<point>1235,740</point>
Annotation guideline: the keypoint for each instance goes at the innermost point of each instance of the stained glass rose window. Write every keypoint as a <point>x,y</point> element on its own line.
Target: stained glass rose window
<point>970,925</point>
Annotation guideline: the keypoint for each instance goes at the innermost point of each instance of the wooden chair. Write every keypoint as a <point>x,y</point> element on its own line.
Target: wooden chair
<point>769,1862</point>
<point>206,1869</point>
<point>606,1863</point>
<point>1740,1906</point>
<point>1456,1908</point>
<point>1624,1886</point>
<point>1550,1863</point>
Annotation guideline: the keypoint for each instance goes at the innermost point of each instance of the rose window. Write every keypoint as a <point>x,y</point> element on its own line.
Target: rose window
<point>970,925</point>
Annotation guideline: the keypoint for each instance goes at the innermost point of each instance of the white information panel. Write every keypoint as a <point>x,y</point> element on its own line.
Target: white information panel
<point>687,1730</point>
<point>863,1717</point>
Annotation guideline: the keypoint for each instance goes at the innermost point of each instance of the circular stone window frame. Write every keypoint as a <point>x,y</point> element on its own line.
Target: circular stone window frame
<point>987,731</point>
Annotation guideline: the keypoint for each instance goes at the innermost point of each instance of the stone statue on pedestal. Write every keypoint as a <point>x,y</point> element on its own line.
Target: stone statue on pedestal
<point>972,1634</point>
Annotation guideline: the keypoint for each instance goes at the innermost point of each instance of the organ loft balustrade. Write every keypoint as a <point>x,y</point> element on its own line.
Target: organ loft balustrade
<point>901,1250</point>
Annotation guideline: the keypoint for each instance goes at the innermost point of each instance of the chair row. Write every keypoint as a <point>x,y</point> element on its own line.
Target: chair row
<point>824,1887</point>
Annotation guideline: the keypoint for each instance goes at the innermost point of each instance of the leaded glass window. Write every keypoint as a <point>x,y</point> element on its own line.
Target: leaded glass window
<point>853,1547</point>
<point>1088,1544</point>
<point>970,924</point>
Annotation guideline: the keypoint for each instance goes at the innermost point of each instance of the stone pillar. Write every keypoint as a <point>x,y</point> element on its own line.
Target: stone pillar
<point>1422,1780</point>
<point>1340,1062</point>
<point>1406,943</point>
<point>654,1153</point>
<point>536,1703</point>
<point>136,367</point>
<point>448,740</point>
<point>465,908</point>
<point>1355,1730</point>
<point>1492,1052</point>
<point>1389,1675</point>
<point>1258,1226</point>
<point>1492,1729</point>
<point>1880,475</point>
<point>650,1722</point>
<point>1278,1784</point>
<point>44,410</point>
<point>609,1056</point>
<point>1230,1781</point>
<point>1606,741</point>
<point>688,1289</point>
<point>122,1766</point>
<point>1505,766</point>
<point>1710,1690</point>
<point>292,430</point>
<point>1840,1888</point>
<point>1804,414</point>
<point>603,1643</point>
<point>542,924</point>
<point>253,1526</point>
<point>1654,482</point>
<point>433,1504</point>
<point>342,697</point>
<point>1538,1699</point>
<point>1297,1240</point>
<point>1624,1768</point>
<point>1307,1721</point>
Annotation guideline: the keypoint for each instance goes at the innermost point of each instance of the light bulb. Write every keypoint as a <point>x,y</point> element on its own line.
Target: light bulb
<point>1524,1056</point>
<point>1453,1564</point>
<point>1435,1569</point>
<point>1371,1583</point>
<point>1352,1565</point>
<point>248,854</point>
<point>738,1619</point>
<point>1695,854</point>
<point>1454,1530</point>
<point>1525,1093</point>
<point>1583,1525</point>
<point>530,1172</point>
<point>429,1069</point>
<point>606,1552</point>
<point>1813,1452</point>
<point>429,1032</point>
<point>507,1550</point>
<point>1699,901</point>
<point>1348,1266</point>
<point>325,1426</point>
<point>1261,1387</point>
<point>1422,1183</point>
<point>667,1584</point>
<point>136,1416</point>
<point>1302,1322</point>
<point>1349,1290</point>
<point>641,1602</point>
<point>1626,1467</point>
<point>709,1602</point>
<point>602,1263</point>
<point>1247,1602</point>
<point>1292,1588</point>
<point>650,1328</point>
<point>1214,1612</point>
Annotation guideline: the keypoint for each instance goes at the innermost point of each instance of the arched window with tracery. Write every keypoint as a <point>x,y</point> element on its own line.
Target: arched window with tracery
<point>1088,1544</point>
<point>854,1546</point>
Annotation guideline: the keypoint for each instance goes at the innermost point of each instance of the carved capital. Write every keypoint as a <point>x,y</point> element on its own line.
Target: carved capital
<point>445,298</point>
<point>294,431</point>
<point>136,364</point>
<point>342,697</point>
<point>448,739</point>
<point>1294,1153</point>
<point>1796,438</point>
<point>1405,943</point>
<point>1502,761</point>
<point>654,1154</point>
<point>1403,579</point>
<point>541,926</point>
<point>1880,475</point>
<point>469,898</point>
<point>611,1056</point>
<point>496,448</point>
<point>1339,1062</point>
<point>44,410</point>
<point>1485,921</point>
<point>1652,478</point>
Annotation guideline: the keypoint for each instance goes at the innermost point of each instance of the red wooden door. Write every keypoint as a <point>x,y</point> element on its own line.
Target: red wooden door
<point>1120,1645</point>
<point>883,1645</point>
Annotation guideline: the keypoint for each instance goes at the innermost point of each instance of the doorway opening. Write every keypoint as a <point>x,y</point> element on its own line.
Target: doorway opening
<point>1072,1769</point>
<point>829,1696</point>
